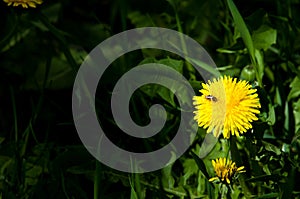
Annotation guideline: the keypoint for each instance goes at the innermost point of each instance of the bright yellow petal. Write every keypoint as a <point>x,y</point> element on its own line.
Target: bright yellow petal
<point>232,112</point>
<point>23,3</point>
<point>225,170</point>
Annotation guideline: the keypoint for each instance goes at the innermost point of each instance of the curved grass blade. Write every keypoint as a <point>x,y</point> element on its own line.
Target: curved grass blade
<point>241,26</point>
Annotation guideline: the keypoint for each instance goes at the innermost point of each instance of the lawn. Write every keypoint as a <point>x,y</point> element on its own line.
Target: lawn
<point>226,75</point>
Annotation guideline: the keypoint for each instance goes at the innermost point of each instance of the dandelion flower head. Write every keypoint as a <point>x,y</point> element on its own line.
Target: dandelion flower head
<point>226,106</point>
<point>23,3</point>
<point>225,170</point>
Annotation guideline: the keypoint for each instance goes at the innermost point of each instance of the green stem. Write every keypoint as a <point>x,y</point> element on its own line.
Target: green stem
<point>14,113</point>
<point>237,158</point>
<point>97,180</point>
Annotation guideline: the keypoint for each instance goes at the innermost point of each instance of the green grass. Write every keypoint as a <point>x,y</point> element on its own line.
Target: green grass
<point>41,155</point>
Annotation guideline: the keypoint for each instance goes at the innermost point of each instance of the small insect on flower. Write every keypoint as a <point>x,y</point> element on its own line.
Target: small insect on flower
<point>226,106</point>
<point>211,98</point>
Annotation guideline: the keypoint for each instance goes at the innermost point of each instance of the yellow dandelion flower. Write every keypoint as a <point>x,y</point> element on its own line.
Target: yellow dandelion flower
<point>23,3</point>
<point>226,105</point>
<point>225,170</point>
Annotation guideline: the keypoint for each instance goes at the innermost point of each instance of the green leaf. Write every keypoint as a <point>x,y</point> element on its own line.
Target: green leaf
<point>235,193</point>
<point>286,116</point>
<point>288,187</point>
<point>189,168</point>
<point>167,179</point>
<point>173,63</point>
<point>268,195</point>
<point>133,194</point>
<point>277,99</point>
<point>260,63</point>
<point>52,12</point>
<point>264,178</point>
<point>162,92</point>
<point>200,165</point>
<point>33,173</point>
<point>139,20</point>
<point>5,162</point>
<point>242,28</point>
<point>264,37</point>
<point>295,89</point>
<point>212,70</point>
<point>173,3</point>
<point>271,116</point>
<point>271,147</point>
<point>296,111</point>
<point>15,39</point>
<point>60,74</point>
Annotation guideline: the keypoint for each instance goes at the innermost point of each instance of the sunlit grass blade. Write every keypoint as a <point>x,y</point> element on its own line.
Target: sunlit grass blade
<point>241,26</point>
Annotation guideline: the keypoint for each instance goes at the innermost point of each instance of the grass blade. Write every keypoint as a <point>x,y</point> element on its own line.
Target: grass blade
<point>242,28</point>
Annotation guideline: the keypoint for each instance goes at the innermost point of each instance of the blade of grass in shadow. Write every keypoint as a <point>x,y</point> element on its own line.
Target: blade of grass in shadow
<point>211,69</point>
<point>154,186</point>
<point>63,184</point>
<point>133,194</point>
<point>97,181</point>
<point>237,158</point>
<point>189,67</point>
<point>241,26</point>
<point>200,164</point>
<point>18,176</point>
<point>14,113</point>
<point>60,36</point>
<point>135,182</point>
<point>14,21</point>
<point>288,187</point>
<point>245,34</point>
